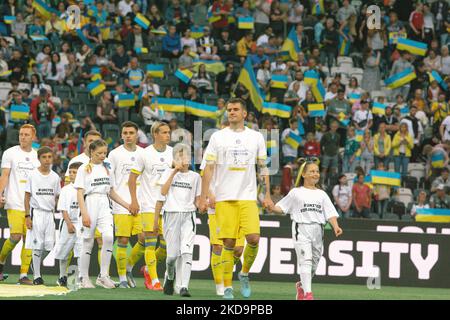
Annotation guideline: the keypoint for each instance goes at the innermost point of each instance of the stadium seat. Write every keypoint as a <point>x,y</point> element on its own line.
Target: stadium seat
<point>390,216</point>
<point>397,208</point>
<point>410,182</point>
<point>407,217</point>
<point>416,170</point>
<point>344,60</point>
<point>404,195</point>
<point>63,93</point>
<point>111,131</point>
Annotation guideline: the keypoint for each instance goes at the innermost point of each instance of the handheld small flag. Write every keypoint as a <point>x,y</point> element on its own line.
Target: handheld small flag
<point>293,140</point>
<point>126,100</point>
<point>400,79</point>
<point>277,109</point>
<point>318,7</point>
<point>20,112</point>
<point>379,108</point>
<point>342,120</point>
<point>200,110</point>
<point>96,74</point>
<point>212,18</point>
<point>318,91</point>
<point>316,110</point>
<point>169,105</point>
<point>311,77</point>
<point>159,31</point>
<point>279,81</point>
<point>359,135</point>
<point>38,38</point>
<point>291,44</point>
<point>414,47</point>
<point>246,23</point>
<point>433,215</point>
<point>393,36</point>
<point>386,178</point>
<point>141,20</point>
<point>354,97</point>
<point>141,50</point>
<point>344,46</point>
<point>96,87</point>
<point>155,70</point>
<point>435,76</point>
<point>300,128</point>
<point>35,145</point>
<point>197,32</point>
<point>404,110</point>
<point>272,147</point>
<point>9,19</point>
<point>210,65</point>
<point>6,73</point>
<point>184,75</point>
<point>437,160</point>
<point>84,39</point>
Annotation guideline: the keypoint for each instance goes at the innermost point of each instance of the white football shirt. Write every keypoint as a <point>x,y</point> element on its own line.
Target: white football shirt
<point>68,202</point>
<point>236,155</point>
<point>21,164</point>
<point>44,190</point>
<point>185,187</point>
<point>151,166</point>
<point>308,206</point>
<point>211,184</point>
<point>84,159</point>
<point>99,180</point>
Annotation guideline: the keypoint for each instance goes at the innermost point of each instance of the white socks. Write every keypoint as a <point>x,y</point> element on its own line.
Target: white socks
<point>37,258</point>
<point>85,257</point>
<point>63,268</point>
<point>170,267</point>
<point>178,272</point>
<point>306,276</point>
<point>106,254</point>
<point>186,259</point>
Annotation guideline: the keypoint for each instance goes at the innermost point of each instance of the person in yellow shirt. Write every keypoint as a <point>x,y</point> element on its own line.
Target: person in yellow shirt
<point>440,110</point>
<point>382,146</point>
<point>245,45</point>
<point>402,146</point>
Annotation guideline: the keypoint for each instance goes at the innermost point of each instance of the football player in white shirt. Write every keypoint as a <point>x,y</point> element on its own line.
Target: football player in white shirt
<point>95,187</point>
<point>310,209</point>
<point>68,240</point>
<point>151,165</point>
<point>180,194</point>
<point>41,195</point>
<point>123,159</point>
<point>233,152</point>
<point>17,163</point>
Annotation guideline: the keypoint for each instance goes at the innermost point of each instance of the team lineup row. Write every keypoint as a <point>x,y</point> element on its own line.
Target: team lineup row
<point>152,193</point>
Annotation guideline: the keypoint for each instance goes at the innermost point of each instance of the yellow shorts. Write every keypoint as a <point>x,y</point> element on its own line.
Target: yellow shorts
<point>148,219</point>
<point>127,225</point>
<point>97,234</point>
<point>235,218</point>
<point>16,222</point>
<point>213,233</point>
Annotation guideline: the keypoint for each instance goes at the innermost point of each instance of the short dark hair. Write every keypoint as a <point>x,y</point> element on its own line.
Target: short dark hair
<point>129,124</point>
<point>293,120</point>
<point>75,165</point>
<point>44,150</point>
<point>237,100</point>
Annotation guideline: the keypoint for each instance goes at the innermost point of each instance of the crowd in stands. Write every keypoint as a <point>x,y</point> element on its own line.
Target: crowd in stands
<point>47,67</point>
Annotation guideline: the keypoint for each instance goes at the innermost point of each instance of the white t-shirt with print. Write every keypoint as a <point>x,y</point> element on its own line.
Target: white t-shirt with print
<point>68,201</point>
<point>99,180</point>
<point>44,189</point>
<point>185,187</point>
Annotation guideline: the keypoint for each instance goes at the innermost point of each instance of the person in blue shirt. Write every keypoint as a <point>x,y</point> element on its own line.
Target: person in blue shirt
<point>36,29</point>
<point>171,44</point>
<point>134,76</point>
<point>258,58</point>
<point>92,31</point>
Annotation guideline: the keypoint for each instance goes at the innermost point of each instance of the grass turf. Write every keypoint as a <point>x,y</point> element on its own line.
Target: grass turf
<point>205,290</point>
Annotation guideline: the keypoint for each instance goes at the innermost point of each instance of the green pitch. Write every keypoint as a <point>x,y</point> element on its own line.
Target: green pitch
<point>205,290</point>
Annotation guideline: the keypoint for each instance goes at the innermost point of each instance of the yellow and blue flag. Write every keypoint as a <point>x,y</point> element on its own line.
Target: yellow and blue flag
<point>212,18</point>
<point>318,91</point>
<point>213,66</point>
<point>9,19</point>
<point>6,73</point>
<point>19,112</point>
<point>168,105</point>
<point>96,74</point>
<point>404,110</point>
<point>342,120</point>
<point>318,7</point>
<point>248,79</point>
<point>141,50</point>
<point>141,20</point>
<point>155,70</point>
<point>386,178</point>
<point>96,87</point>
<point>84,39</point>
<point>38,38</point>
<point>284,55</point>
<point>293,140</point>
<point>184,75</point>
<point>197,32</point>
<point>246,23</point>
<point>272,147</point>
<point>344,46</point>
<point>126,100</point>
<point>354,97</point>
<point>393,36</point>
<point>435,76</point>
<point>35,145</point>
<point>200,109</point>
<point>279,81</point>
<point>401,78</point>
<point>359,135</point>
<point>159,31</point>
<point>316,110</point>
<point>277,109</point>
<point>44,9</point>
<point>291,44</point>
<point>311,77</point>
<point>414,47</point>
<point>379,108</point>
<point>433,215</point>
<point>437,160</point>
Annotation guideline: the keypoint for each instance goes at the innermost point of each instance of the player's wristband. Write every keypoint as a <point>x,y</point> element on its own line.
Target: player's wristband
<point>27,216</point>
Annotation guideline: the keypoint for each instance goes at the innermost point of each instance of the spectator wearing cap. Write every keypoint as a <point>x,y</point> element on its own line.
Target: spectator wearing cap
<point>443,180</point>
<point>225,80</point>
<point>136,39</point>
<point>43,112</point>
<point>207,48</point>
<point>440,200</point>
<point>226,47</point>
<point>171,44</point>
<point>134,76</point>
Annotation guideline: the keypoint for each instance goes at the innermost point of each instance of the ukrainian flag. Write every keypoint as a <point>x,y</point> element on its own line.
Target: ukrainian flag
<point>435,76</point>
<point>277,109</point>
<point>284,55</point>
<point>291,44</point>
<point>354,97</point>
<point>359,135</point>
<point>197,32</point>
<point>433,215</point>
<point>6,73</point>
<point>159,31</point>
<point>155,70</point>
<point>200,109</point>
<point>344,46</point>
<point>279,81</point>
<point>318,7</point>
<point>415,47</point>
<point>393,36</point>
<point>38,38</point>
<point>401,78</point>
<point>141,20</point>
<point>141,50</point>
<point>96,74</point>
<point>248,79</point>
<point>20,112</point>
<point>212,18</point>
<point>437,160</point>
<point>126,100</point>
<point>96,87</point>
<point>84,39</point>
<point>272,147</point>
<point>169,105</point>
<point>210,65</point>
<point>404,110</point>
<point>293,140</point>
<point>246,23</point>
<point>342,120</point>
<point>44,9</point>
<point>9,19</point>
<point>318,91</point>
<point>311,77</point>
<point>379,108</point>
<point>386,177</point>
<point>316,109</point>
<point>184,75</point>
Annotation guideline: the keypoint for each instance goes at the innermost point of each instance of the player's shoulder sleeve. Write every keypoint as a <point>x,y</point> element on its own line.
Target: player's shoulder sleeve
<point>81,176</point>
<point>261,144</point>
<point>197,184</point>
<point>7,159</point>
<point>28,184</point>
<point>287,203</point>
<point>329,211</point>
<point>63,199</point>
<point>212,148</point>
<point>57,184</point>
<point>139,164</point>
<point>164,177</point>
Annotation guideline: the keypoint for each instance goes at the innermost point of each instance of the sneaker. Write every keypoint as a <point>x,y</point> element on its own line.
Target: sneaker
<point>219,289</point>
<point>168,287</point>
<point>308,296</point>
<point>184,292</point>
<point>228,293</point>
<point>123,285</point>
<point>62,282</point>
<point>157,287</point>
<point>246,291</point>
<point>130,280</point>
<point>25,281</point>
<point>148,279</point>
<point>3,276</point>
<point>38,281</point>
<point>300,293</point>
<point>86,283</point>
<point>105,282</point>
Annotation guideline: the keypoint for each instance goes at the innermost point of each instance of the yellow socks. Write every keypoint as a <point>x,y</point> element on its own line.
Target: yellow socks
<point>99,255</point>
<point>150,257</point>
<point>136,254</point>
<point>236,260</point>
<point>161,252</point>
<point>217,267</point>
<point>25,257</point>
<point>8,247</point>
<point>121,260</point>
<point>250,253</point>
<point>227,262</point>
